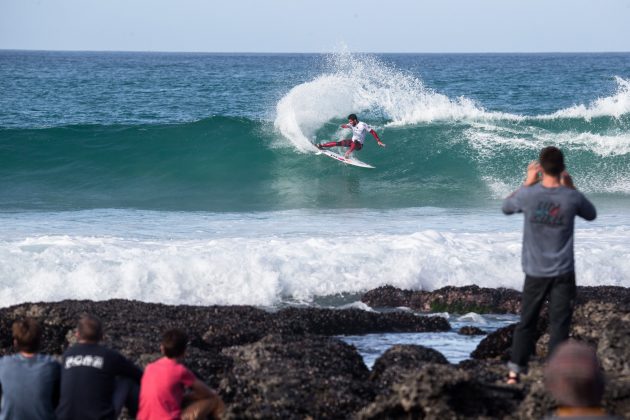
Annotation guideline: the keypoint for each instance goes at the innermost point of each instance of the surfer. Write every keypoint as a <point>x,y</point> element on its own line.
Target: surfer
<point>359,129</point>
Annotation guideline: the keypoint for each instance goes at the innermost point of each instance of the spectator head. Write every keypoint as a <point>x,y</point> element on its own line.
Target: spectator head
<point>552,160</point>
<point>174,342</point>
<point>573,376</point>
<point>89,329</point>
<point>27,335</point>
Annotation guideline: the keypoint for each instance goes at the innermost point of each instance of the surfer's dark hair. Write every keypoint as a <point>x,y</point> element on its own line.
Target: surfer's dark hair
<point>552,160</point>
<point>353,117</point>
<point>174,342</point>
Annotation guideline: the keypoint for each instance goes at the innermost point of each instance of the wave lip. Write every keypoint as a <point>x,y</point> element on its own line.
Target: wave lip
<point>364,84</point>
<point>610,106</point>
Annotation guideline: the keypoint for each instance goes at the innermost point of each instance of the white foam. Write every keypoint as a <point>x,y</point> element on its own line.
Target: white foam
<point>472,317</point>
<point>609,106</point>
<point>491,141</point>
<point>358,305</point>
<point>488,140</point>
<point>266,270</point>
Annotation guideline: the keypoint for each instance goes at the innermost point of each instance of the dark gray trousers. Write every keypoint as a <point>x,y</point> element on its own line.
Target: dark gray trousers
<point>560,291</point>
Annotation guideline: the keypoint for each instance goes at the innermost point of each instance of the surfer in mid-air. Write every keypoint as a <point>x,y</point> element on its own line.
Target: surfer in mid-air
<point>359,129</point>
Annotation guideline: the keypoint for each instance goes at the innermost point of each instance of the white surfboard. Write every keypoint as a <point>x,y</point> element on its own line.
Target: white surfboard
<point>350,161</point>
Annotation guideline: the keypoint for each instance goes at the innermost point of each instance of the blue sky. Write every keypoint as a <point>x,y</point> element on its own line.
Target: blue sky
<point>316,25</point>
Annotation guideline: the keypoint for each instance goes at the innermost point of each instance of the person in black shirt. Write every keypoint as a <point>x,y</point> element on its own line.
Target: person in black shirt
<point>96,381</point>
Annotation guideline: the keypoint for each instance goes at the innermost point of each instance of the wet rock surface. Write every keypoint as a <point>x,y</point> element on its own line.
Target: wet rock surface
<point>399,360</point>
<point>477,299</point>
<point>450,299</point>
<point>295,377</point>
<point>469,330</point>
<point>438,391</point>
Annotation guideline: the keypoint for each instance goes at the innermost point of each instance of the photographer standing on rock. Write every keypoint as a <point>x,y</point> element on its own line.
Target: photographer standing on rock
<point>549,202</point>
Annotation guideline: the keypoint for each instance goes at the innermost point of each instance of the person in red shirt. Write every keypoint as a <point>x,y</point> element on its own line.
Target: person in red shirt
<point>170,391</point>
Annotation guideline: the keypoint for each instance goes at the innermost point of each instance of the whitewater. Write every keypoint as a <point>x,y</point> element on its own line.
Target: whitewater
<point>271,259</point>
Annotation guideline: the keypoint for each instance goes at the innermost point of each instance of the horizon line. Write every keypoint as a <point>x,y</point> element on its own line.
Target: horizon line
<point>310,52</point>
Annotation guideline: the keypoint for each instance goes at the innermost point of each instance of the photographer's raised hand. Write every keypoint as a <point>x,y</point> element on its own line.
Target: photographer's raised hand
<point>533,170</point>
<point>566,180</point>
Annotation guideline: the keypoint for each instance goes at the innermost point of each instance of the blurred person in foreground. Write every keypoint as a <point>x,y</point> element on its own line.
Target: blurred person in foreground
<point>29,381</point>
<point>549,202</point>
<point>574,378</point>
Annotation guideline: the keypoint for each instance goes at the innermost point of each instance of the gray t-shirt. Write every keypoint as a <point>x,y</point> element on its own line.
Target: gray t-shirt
<point>30,386</point>
<point>548,226</point>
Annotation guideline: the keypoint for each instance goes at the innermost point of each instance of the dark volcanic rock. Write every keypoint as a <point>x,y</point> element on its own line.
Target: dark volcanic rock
<point>620,296</point>
<point>388,297</point>
<point>399,360</point>
<point>354,321</point>
<point>613,348</point>
<point>295,377</point>
<point>134,328</point>
<point>448,299</point>
<point>441,392</point>
<point>496,345</point>
<point>480,299</point>
<point>282,365</point>
<point>469,330</point>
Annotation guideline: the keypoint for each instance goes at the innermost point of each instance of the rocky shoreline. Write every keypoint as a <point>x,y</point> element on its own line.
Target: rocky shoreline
<point>289,364</point>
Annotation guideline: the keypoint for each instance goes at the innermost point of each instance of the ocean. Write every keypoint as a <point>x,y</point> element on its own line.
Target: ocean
<point>192,179</point>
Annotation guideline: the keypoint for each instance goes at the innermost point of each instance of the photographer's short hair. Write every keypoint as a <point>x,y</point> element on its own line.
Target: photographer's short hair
<point>90,328</point>
<point>27,335</point>
<point>174,342</point>
<point>552,160</point>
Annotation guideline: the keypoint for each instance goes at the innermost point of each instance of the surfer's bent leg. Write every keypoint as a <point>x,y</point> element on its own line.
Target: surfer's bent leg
<point>344,143</point>
<point>355,146</point>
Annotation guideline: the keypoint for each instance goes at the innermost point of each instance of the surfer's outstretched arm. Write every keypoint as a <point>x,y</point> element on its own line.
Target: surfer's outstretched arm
<point>378,140</point>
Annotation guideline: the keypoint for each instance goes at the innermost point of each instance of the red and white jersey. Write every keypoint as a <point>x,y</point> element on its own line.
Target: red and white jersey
<point>359,131</point>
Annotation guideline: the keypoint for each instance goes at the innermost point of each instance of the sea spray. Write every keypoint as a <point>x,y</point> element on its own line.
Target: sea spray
<point>364,84</point>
